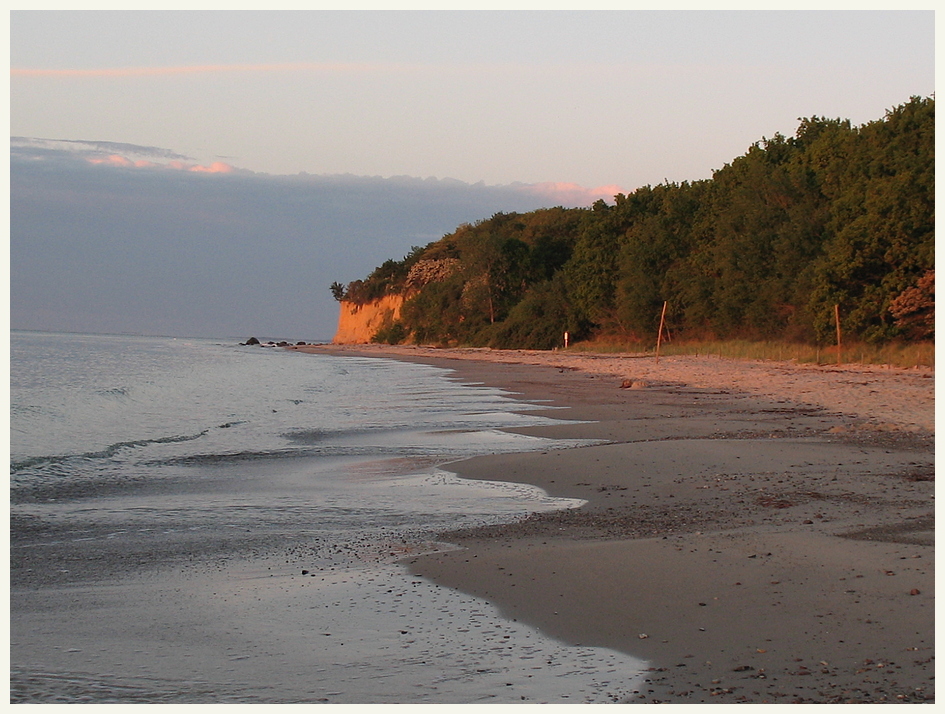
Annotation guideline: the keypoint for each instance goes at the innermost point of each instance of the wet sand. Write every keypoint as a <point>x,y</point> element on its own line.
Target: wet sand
<point>758,532</point>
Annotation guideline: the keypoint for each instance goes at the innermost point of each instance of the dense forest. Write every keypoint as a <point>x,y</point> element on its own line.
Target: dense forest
<point>837,215</point>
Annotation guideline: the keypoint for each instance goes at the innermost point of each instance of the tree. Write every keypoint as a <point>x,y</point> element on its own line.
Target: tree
<point>591,272</point>
<point>836,215</point>
<point>881,231</point>
<point>658,238</point>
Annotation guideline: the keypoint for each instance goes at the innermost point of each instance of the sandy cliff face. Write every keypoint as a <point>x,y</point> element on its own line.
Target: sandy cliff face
<point>358,323</point>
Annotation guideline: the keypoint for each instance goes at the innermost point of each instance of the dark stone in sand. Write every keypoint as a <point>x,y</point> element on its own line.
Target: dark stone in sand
<point>251,341</point>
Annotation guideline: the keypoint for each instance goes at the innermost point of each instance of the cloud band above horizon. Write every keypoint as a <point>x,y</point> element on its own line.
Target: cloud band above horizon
<point>319,67</point>
<point>131,156</point>
<point>130,240</point>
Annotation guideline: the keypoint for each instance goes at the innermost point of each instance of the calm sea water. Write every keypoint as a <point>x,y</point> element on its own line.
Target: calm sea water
<point>238,468</point>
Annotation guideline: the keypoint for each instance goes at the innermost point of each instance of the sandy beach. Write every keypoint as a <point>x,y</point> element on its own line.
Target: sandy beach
<point>756,531</point>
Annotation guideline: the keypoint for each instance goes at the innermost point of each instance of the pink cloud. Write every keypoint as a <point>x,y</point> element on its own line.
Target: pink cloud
<point>572,193</point>
<point>113,160</point>
<point>322,68</point>
<point>217,167</point>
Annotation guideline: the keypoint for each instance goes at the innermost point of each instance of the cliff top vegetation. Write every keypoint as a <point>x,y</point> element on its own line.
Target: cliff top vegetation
<point>837,219</point>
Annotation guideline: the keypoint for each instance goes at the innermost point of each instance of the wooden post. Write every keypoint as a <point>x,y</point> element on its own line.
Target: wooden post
<point>836,317</point>
<point>566,340</point>
<point>659,335</point>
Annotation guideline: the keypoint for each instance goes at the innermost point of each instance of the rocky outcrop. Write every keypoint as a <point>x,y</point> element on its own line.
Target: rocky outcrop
<point>430,271</point>
<point>357,323</point>
<point>914,308</point>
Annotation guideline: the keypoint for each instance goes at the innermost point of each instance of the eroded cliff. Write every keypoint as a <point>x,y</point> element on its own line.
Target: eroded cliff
<point>358,323</point>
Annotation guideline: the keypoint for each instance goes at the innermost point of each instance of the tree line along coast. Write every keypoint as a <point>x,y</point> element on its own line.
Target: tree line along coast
<point>797,238</point>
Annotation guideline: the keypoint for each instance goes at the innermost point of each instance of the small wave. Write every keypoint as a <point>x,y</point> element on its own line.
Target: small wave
<point>27,410</point>
<point>114,392</point>
<point>306,436</point>
<point>301,452</point>
<point>230,458</point>
<point>106,453</point>
<point>308,450</point>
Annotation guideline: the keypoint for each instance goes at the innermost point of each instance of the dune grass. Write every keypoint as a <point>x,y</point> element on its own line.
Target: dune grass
<point>905,355</point>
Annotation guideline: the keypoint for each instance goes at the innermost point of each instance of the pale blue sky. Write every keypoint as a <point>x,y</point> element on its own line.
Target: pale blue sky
<point>596,98</point>
<point>116,228</point>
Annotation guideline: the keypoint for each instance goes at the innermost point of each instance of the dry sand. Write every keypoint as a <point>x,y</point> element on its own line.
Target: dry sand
<point>757,531</point>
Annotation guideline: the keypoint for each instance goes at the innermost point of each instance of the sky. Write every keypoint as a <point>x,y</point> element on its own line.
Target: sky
<point>211,173</point>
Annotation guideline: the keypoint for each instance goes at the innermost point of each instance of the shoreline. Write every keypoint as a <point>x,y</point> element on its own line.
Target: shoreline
<point>758,532</point>
<point>262,564</point>
<point>889,398</point>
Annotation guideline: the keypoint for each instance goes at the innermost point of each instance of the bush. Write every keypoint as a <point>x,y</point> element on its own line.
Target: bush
<point>393,334</point>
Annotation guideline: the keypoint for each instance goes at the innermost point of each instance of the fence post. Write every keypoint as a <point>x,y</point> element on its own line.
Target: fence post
<point>836,317</point>
<point>659,335</point>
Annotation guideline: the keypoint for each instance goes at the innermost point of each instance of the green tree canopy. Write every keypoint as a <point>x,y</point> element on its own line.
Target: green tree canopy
<point>766,248</point>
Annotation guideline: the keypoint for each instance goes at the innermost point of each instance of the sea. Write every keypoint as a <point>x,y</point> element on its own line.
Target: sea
<point>196,520</point>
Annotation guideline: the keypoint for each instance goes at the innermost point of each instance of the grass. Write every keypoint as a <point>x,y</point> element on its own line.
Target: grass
<point>905,355</point>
